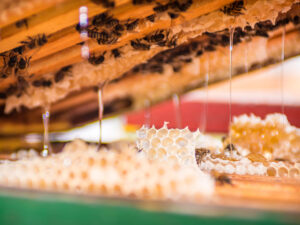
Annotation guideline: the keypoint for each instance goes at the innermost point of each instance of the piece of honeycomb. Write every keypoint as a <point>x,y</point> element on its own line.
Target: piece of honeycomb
<point>212,155</point>
<point>165,144</point>
<point>80,168</point>
<point>230,161</point>
<point>273,137</point>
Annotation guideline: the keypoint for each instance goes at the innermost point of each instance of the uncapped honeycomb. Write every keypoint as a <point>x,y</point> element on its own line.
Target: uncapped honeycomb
<point>165,144</point>
<point>273,137</point>
<point>80,168</point>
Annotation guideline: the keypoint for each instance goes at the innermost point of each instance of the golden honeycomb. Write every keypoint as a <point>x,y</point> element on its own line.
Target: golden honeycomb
<point>273,137</point>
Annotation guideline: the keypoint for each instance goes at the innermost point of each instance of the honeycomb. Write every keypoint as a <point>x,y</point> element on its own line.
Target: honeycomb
<point>273,137</point>
<point>177,145</point>
<point>230,161</point>
<point>194,148</point>
<point>80,168</point>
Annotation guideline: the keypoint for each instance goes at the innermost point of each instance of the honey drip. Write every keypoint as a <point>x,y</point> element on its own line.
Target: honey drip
<point>282,70</point>
<point>230,75</point>
<point>100,112</point>
<point>147,115</point>
<point>46,143</point>
<point>176,104</point>
<point>206,97</point>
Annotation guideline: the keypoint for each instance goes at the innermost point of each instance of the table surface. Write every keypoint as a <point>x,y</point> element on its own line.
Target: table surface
<point>249,200</point>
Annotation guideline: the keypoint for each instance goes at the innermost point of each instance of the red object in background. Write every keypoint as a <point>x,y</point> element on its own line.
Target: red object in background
<point>217,117</point>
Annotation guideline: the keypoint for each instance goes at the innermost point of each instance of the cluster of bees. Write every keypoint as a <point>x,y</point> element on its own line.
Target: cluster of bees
<point>23,84</point>
<point>105,3</point>
<point>234,9</point>
<point>15,63</point>
<point>106,29</point>
<point>159,37</point>
<point>180,55</point>
<point>58,76</point>
<point>173,7</point>
<point>175,57</point>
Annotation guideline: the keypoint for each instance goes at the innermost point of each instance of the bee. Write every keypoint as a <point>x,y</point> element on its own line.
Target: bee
<point>173,15</point>
<point>61,73</point>
<point>30,43</point>
<point>280,159</point>
<point>151,18</point>
<point>225,40</point>
<point>21,23</point>
<point>108,4</point>
<point>13,59</point>
<point>22,85</point>
<point>194,46</point>
<point>40,40</point>
<point>100,19</point>
<point>170,42</point>
<point>209,48</point>
<point>175,5</point>
<point>248,28</point>
<point>23,62</point>
<point>212,35</point>
<point>105,3</point>
<point>176,68</point>
<point>132,25</point>
<point>92,33</point>
<point>3,75</point>
<point>42,82</point>
<point>156,68</point>
<point>80,43</point>
<point>160,8</point>
<point>102,37</point>
<point>19,50</point>
<point>47,83</point>
<point>116,53</point>
<point>262,33</point>
<point>233,9</point>
<point>139,46</point>
<point>139,2</point>
<point>296,20</point>
<point>113,37</point>
<point>158,36</point>
<point>188,60</point>
<point>2,95</point>
<point>116,33</point>
<point>200,154</point>
<point>222,178</point>
<point>11,90</point>
<point>185,6</point>
<point>230,147</point>
<point>119,28</point>
<point>94,60</point>
<point>112,22</point>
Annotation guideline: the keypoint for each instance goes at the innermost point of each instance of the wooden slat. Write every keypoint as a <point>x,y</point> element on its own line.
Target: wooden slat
<point>262,192</point>
<point>73,54</point>
<point>21,10</point>
<point>49,22</point>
